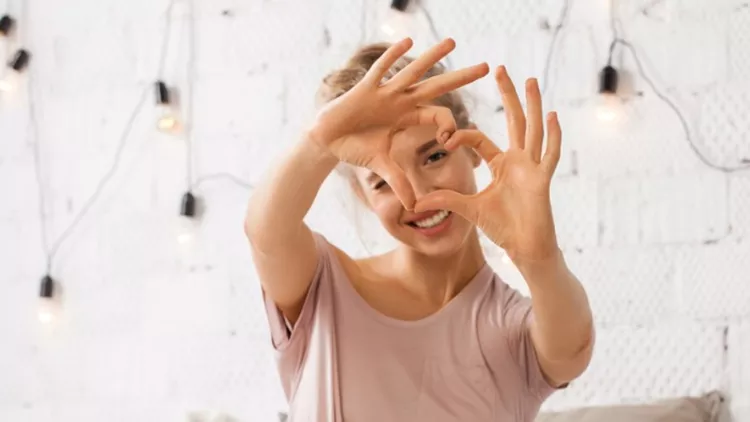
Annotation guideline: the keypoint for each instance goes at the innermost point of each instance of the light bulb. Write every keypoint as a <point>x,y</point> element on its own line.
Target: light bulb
<point>187,224</point>
<point>609,105</point>
<point>185,230</point>
<point>167,120</point>
<point>9,81</point>
<point>12,75</point>
<point>48,309</point>
<point>398,23</point>
<point>608,108</point>
<point>396,27</point>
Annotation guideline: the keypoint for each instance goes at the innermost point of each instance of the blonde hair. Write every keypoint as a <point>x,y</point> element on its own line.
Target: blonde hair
<point>341,80</point>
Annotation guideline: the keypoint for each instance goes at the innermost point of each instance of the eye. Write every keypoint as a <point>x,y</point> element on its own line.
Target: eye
<point>436,156</point>
<point>381,184</point>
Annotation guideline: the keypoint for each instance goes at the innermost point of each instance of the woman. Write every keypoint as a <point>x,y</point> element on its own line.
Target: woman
<point>427,331</point>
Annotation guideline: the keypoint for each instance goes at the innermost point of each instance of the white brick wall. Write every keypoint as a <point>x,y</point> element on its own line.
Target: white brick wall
<point>151,331</point>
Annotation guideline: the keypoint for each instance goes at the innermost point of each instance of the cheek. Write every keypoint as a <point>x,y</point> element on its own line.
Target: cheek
<point>456,174</point>
<point>387,208</point>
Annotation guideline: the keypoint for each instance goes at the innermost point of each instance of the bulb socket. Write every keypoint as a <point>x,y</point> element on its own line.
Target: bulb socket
<point>187,207</point>
<point>399,5</point>
<point>162,93</point>
<point>608,80</point>
<point>20,60</point>
<point>6,25</point>
<point>47,288</point>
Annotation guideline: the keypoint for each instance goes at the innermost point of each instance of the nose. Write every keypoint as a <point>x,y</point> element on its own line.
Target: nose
<point>420,184</point>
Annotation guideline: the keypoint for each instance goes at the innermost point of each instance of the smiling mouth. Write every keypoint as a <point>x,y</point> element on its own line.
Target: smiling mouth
<point>431,221</point>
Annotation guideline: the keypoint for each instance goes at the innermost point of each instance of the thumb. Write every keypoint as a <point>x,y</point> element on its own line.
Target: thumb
<point>395,177</point>
<point>448,200</point>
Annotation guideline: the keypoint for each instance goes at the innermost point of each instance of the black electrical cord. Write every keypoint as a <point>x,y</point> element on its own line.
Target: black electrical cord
<point>561,22</point>
<point>556,33</point>
<point>617,40</point>
<point>51,250</point>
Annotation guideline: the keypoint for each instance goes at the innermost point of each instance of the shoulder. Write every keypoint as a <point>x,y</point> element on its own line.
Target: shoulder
<point>499,291</point>
<point>339,264</point>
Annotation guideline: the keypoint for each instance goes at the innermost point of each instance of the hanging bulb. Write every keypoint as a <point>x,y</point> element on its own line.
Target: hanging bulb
<point>609,104</point>
<point>48,309</point>
<point>167,119</point>
<point>12,75</point>
<point>398,22</point>
<point>6,25</point>
<point>186,225</point>
<point>609,108</point>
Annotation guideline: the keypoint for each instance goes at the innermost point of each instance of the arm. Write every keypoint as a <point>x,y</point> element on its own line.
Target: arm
<point>515,211</point>
<point>562,329</point>
<point>275,229</point>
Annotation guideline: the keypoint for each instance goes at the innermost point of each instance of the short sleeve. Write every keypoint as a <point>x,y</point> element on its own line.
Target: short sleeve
<point>517,316</point>
<point>506,344</point>
<point>290,343</point>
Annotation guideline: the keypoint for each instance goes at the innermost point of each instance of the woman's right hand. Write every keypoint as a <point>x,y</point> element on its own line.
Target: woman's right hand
<point>358,126</point>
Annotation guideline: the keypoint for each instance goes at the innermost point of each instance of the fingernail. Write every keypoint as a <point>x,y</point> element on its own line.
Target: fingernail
<point>444,137</point>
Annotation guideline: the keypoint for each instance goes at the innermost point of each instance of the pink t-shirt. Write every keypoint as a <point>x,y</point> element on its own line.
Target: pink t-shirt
<point>344,361</point>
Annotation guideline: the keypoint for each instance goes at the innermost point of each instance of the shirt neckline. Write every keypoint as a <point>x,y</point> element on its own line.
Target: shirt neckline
<point>469,291</point>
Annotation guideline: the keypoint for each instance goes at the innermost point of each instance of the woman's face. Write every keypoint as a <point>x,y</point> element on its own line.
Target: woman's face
<point>428,167</point>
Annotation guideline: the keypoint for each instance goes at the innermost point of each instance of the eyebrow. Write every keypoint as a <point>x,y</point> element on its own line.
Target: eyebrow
<point>426,146</point>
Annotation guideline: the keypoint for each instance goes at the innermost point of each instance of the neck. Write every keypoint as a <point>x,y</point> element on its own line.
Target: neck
<point>438,279</point>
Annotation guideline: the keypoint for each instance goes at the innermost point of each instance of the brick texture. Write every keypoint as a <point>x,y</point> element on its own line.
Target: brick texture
<point>153,330</point>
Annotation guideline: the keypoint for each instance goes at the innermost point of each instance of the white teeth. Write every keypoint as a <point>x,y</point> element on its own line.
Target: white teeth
<point>433,221</point>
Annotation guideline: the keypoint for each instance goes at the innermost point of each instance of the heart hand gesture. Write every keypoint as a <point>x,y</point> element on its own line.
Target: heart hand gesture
<point>514,211</point>
<point>358,126</point>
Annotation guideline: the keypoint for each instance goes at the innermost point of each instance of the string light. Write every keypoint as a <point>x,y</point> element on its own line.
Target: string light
<point>187,223</point>
<point>396,25</point>
<point>50,305</point>
<point>6,25</point>
<point>609,103</point>
<point>742,164</point>
<point>15,67</point>
<point>167,119</point>
<point>48,309</point>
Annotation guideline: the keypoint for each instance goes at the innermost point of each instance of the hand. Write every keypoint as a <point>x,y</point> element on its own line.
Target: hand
<point>358,126</point>
<point>514,211</point>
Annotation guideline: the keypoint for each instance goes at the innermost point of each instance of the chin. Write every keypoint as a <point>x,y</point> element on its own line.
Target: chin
<point>445,238</point>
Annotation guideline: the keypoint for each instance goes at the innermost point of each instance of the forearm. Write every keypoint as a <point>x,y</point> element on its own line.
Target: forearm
<point>563,324</point>
<point>281,201</point>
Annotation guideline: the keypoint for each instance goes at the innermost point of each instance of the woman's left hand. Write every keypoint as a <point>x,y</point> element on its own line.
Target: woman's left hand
<point>514,211</point>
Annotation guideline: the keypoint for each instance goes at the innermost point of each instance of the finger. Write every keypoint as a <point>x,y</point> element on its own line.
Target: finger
<point>513,109</point>
<point>409,75</point>
<point>534,124</point>
<point>477,140</point>
<point>430,115</point>
<point>449,200</point>
<point>381,66</point>
<point>554,143</point>
<point>436,86</point>
<point>396,179</point>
